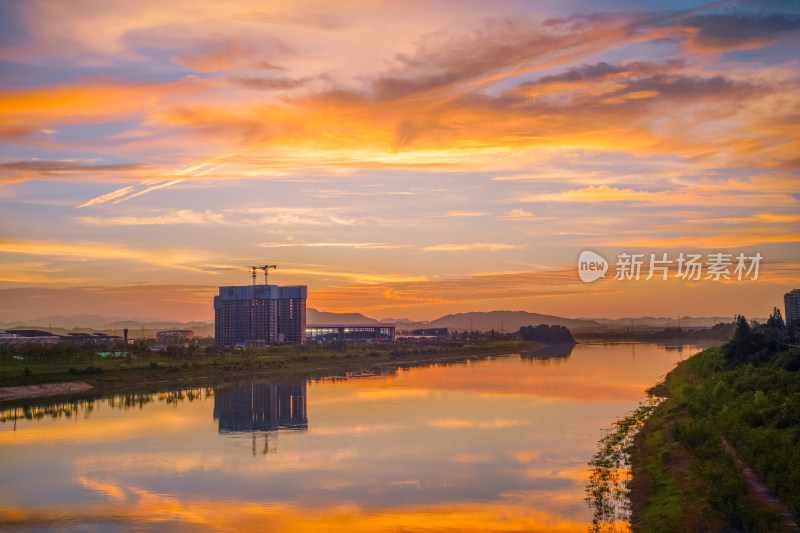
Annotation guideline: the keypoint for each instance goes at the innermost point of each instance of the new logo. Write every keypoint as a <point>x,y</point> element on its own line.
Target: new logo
<point>591,266</point>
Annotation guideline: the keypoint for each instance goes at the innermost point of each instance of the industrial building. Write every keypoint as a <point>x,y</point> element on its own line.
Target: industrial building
<point>260,315</point>
<point>791,301</point>
<point>350,332</point>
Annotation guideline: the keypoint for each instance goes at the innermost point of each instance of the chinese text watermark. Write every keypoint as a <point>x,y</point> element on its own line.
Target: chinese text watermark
<point>684,266</point>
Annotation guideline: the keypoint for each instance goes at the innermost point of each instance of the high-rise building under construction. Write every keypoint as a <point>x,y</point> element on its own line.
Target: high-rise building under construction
<point>260,315</point>
<point>791,301</point>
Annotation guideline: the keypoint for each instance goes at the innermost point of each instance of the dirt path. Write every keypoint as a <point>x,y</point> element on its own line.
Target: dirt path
<point>759,488</point>
<point>38,391</point>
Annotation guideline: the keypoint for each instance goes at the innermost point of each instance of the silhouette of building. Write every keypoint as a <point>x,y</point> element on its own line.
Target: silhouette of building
<point>174,336</point>
<point>350,332</point>
<point>92,339</point>
<point>37,336</point>
<point>261,407</point>
<point>430,332</point>
<point>791,302</point>
<point>260,315</point>
<point>29,336</point>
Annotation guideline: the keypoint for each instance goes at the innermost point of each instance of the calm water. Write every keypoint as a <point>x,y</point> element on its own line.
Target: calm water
<point>495,445</point>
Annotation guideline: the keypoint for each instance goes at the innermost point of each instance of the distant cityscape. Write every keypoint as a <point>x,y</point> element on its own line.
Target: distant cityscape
<point>264,315</point>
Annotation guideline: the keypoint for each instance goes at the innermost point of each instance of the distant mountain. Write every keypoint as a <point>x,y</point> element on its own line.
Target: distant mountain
<point>481,321</point>
<point>62,325</point>
<point>405,324</point>
<point>685,321</point>
<point>163,324</point>
<point>81,321</point>
<point>506,321</point>
<point>323,317</point>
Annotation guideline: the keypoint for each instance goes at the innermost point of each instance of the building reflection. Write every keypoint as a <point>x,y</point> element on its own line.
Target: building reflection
<point>261,407</point>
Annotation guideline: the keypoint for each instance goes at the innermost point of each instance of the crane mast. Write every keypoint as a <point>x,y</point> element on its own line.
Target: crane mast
<point>265,268</point>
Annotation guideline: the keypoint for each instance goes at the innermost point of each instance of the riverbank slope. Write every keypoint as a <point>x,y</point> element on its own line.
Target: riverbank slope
<point>686,461</point>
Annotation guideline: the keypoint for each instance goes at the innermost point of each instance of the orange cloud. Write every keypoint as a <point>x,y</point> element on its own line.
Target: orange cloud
<point>492,247</point>
<point>688,195</point>
<point>171,258</point>
<point>91,101</point>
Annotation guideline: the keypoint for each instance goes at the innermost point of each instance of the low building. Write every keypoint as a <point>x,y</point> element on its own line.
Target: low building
<point>174,336</point>
<point>350,332</point>
<point>29,333</point>
<point>92,339</point>
<point>430,332</point>
<point>28,336</point>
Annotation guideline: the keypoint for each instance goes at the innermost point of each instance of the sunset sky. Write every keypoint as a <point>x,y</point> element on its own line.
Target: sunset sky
<point>402,159</point>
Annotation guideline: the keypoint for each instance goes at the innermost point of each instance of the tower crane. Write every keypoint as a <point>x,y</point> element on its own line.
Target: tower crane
<point>265,268</point>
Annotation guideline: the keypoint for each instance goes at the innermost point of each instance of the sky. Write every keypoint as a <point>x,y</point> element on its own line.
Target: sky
<point>401,159</point>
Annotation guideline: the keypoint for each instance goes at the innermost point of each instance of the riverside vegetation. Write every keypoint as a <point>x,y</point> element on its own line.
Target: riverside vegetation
<point>740,401</point>
<point>137,365</point>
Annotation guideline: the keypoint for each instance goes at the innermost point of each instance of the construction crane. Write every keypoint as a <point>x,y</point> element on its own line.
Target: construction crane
<point>265,268</point>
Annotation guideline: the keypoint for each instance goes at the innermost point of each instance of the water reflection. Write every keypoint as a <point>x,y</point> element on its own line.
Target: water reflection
<point>556,351</point>
<point>261,407</point>
<point>498,444</point>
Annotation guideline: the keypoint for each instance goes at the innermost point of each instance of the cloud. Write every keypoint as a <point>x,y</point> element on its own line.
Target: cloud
<point>108,197</point>
<point>173,216</point>
<point>463,214</point>
<point>470,458</point>
<point>61,170</point>
<point>584,113</point>
<point>492,247</point>
<point>269,84</point>
<point>429,108</point>
<point>364,245</point>
<point>712,240</point>
<point>88,101</point>
<point>719,124</point>
<point>242,217</point>
<point>714,33</point>
<point>688,195</point>
<point>230,54</point>
<point>521,214</point>
<point>486,286</point>
<point>171,302</point>
<point>765,218</point>
<point>167,258</point>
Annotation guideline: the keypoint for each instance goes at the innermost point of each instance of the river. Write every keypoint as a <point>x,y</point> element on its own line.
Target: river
<point>499,444</point>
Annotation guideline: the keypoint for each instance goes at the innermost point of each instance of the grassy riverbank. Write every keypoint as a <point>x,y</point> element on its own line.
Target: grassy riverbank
<point>134,372</point>
<point>684,479</point>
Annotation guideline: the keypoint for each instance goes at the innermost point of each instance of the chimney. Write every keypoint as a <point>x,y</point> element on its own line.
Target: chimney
<point>125,336</point>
